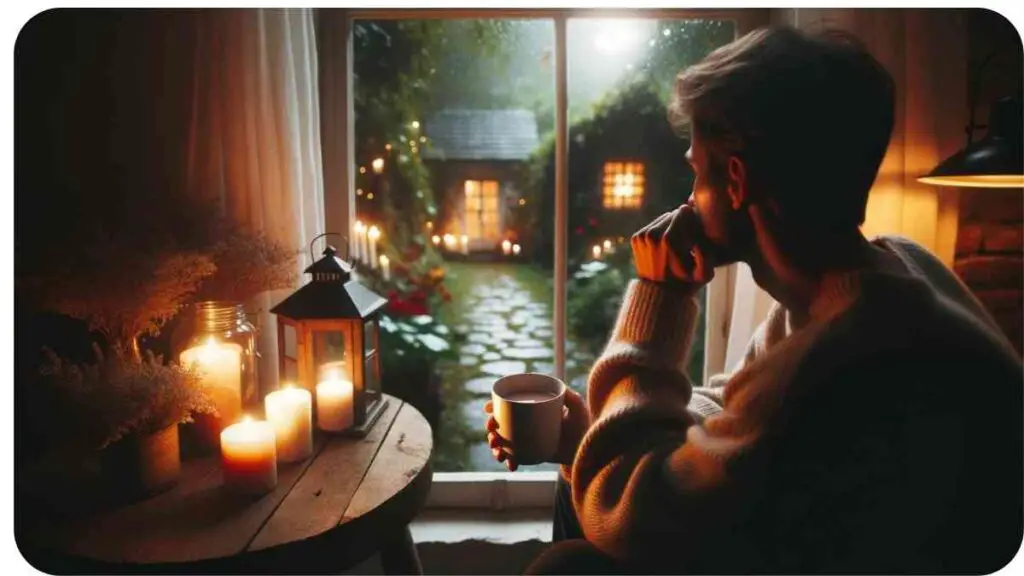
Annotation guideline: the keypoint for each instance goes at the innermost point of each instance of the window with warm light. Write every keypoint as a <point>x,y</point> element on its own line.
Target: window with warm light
<point>483,215</point>
<point>623,185</point>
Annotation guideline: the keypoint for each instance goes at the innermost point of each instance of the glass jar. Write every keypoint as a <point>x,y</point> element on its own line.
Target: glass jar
<point>221,343</point>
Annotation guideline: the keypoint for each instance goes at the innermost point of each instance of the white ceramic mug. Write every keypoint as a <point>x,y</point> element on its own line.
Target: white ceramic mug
<point>528,408</point>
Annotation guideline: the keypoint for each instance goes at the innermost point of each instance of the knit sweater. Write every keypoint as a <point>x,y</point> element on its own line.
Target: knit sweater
<point>883,435</point>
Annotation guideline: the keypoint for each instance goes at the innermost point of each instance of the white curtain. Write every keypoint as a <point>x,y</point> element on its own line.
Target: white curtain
<point>926,52</point>
<point>254,135</point>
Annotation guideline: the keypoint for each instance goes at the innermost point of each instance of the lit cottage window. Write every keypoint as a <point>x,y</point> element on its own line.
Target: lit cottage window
<point>623,185</point>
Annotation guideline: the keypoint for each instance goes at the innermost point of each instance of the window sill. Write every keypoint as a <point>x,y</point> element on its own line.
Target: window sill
<point>509,527</point>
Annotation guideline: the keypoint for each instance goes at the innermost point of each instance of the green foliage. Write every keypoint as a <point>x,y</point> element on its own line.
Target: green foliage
<point>593,304</point>
<point>98,403</point>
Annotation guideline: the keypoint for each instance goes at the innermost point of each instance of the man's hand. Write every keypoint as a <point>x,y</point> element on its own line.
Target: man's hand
<point>668,250</point>
<point>575,423</point>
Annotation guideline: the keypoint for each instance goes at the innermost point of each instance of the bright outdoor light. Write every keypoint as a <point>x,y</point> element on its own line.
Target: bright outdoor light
<point>616,36</point>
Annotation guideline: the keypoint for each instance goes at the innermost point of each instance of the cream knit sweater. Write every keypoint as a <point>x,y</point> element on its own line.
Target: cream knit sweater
<point>845,444</point>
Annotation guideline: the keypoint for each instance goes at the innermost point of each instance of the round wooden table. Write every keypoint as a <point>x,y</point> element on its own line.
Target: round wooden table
<point>354,497</point>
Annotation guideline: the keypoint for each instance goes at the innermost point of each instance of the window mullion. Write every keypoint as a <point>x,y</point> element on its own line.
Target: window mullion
<point>561,191</point>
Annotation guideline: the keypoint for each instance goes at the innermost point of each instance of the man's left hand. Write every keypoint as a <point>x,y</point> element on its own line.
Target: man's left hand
<point>669,250</point>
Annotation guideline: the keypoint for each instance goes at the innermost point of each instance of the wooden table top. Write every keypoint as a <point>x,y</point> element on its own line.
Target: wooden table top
<point>380,480</point>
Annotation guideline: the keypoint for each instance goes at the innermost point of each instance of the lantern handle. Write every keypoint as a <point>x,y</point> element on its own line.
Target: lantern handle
<point>313,241</point>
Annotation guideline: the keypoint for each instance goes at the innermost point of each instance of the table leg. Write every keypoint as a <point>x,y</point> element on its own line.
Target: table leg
<point>398,554</point>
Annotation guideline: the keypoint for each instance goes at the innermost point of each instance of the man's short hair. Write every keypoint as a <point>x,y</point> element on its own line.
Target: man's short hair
<point>810,114</point>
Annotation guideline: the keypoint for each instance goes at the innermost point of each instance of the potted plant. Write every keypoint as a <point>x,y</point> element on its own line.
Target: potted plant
<point>127,407</point>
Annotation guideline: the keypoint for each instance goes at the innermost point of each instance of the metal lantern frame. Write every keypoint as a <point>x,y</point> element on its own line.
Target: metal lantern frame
<point>333,302</point>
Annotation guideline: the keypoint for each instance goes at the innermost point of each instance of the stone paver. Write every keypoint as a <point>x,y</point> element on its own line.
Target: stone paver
<point>491,356</point>
<point>481,385</point>
<point>527,353</point>
<point>503,367</point>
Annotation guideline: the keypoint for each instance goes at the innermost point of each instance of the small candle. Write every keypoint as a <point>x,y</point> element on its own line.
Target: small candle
<point>360,233</point>
<point>385,267</point>
<point>220,368</point>
<point>506,247</point>
<point>290,412</point>
<point>465,244</point>
<point>249,457</point>
<point>449,242</point>
<point>607,246</point>
<point>378,165</point>
<point>596,251</point>
<point>436,239</point>
<point>334,408</point>
<point>516,249</point>
<point>373,234</point>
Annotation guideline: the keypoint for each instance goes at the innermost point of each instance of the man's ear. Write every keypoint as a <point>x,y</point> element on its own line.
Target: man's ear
<point>736,183</point>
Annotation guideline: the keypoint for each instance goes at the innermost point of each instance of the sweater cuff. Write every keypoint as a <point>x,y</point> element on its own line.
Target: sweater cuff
<point>658,319</point>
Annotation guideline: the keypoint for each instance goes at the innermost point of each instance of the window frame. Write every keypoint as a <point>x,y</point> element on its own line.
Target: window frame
<point>494,490</point>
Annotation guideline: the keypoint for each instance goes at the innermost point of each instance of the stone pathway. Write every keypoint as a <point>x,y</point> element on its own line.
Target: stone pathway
<point>508,331</point>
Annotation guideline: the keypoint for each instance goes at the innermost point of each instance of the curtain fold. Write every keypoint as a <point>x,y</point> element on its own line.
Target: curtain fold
<point>254,136</point>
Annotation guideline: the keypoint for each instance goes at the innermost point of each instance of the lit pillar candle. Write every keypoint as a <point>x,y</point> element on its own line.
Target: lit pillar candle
<point>596,251</point>
<point>516,249</point>
<point>506,247</point>
<point>248,456</point>
<point>436,240</point>
<point>360,234</point>
<point>449,242</point>
<point>385,267</point>
<point>607,246</point>
<point>290,413</point>
<point>334,406</point>
<point>465,244</point>
<point>373,234</point>
<point>220,368</point>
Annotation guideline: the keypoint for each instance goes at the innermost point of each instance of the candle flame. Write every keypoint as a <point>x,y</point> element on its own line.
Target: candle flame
<point>384,260</point>
<point>247,419</point>
<point>373,233</point>
<point>360,226</point>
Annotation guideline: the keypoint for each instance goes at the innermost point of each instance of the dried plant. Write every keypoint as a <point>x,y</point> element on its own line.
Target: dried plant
<point>120,394</point>
<point>246,265</point>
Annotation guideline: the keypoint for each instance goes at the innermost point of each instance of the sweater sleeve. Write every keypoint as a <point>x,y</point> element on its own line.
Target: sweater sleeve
<point>643,465</point>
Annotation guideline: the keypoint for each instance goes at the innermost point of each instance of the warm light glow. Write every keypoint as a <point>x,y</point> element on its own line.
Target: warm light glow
<point>384,260</point>
<point>387,146</point>
<point>596,251</point>
<point>522,201</point>
<point>435,239</point>
<point>247,418</point>
<point>465,239</point>
<point>449,240</point>
<point>378,165</point>
<point>976,181</point>
<point>430,225</point>
<point>359,227</point>
<point>373,233</point>
<point>623,185</point>
<point>369,196</point>
<point>616,36</point>
<point>359,191</point>
<point>362,169</point>
<point>516,249</point>
<point>415,124</point>
<point>607,245</point>
<point>423,139</point>
<point>506,247</point>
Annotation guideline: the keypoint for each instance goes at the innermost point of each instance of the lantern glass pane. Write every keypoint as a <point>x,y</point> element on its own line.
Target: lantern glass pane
<point>370,338</point>
<point>331,352</point>
<point>372,371</point>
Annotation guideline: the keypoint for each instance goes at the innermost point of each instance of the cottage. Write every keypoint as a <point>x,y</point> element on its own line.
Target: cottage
<point>474,157</point>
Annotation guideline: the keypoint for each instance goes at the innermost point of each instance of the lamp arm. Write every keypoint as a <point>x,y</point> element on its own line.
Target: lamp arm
<point>973,96</point>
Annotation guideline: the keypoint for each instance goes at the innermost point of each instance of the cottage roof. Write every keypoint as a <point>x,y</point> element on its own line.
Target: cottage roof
<point>465,134</point>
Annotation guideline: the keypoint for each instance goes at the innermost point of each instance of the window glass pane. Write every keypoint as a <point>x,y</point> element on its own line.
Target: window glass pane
<point>370,333</point>
<point>626,163</point>
<point>458,109</point>
<point>330,352</point>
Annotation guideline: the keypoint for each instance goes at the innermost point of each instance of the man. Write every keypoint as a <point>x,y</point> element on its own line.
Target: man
<point>875,423</point>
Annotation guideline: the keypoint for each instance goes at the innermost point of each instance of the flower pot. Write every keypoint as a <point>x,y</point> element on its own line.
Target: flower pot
<point>144,464</point>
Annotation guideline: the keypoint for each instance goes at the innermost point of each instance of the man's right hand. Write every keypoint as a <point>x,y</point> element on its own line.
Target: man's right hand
<point>575,423</point>
<point>669,250</point>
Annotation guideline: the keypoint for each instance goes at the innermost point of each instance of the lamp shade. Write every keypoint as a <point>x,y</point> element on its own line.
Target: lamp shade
<point>995,161</point>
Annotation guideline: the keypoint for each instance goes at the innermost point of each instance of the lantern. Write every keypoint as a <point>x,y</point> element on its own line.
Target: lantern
<point>329,329</point>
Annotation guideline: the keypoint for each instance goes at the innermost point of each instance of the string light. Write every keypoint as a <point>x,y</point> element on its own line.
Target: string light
<point>369,196</point>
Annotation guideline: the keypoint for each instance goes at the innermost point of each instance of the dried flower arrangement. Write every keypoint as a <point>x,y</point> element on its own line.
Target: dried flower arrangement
<point>247,264</point>
<point>119,394</point>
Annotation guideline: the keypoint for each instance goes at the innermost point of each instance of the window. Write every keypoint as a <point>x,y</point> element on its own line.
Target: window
<point>499,112</point>
<point>482,216</point>
<point>623,185</point>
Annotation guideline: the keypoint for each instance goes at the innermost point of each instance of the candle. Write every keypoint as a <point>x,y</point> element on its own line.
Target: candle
<point>373,234</point>
<point>360,233</point>
<point>506,247</point>
<point>449,242</point>
<point>607,246</point>
<point>465,244</point>
<point>516,249</point>
<point>596,251</point>
<point>220,368</point>
<point>378,165</point>
<point>248,457</point>
<point>290,413</point>
<point>436,239</point>
<point>385,267</point>
<point>334,408</point>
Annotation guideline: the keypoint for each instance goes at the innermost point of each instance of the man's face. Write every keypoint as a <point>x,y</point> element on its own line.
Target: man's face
<point>724,224</point>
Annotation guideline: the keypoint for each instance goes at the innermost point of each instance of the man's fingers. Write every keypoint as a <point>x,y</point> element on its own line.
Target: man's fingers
<point>489,407</point>
<point>492,424</point>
